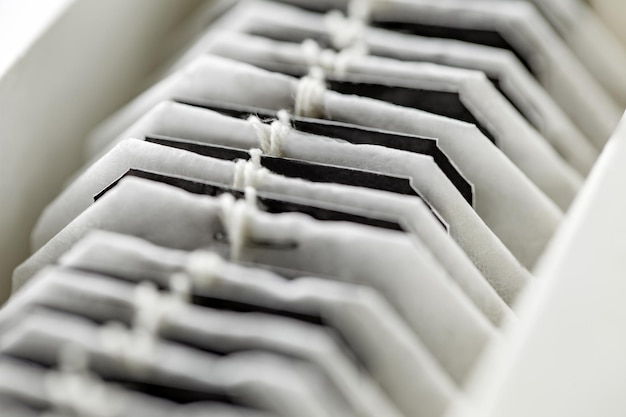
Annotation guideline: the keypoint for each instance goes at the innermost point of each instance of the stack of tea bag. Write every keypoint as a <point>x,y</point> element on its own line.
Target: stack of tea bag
<point>319,208</point>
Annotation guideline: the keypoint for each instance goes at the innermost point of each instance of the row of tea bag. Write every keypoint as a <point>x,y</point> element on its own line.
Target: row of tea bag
<point>322,208</point>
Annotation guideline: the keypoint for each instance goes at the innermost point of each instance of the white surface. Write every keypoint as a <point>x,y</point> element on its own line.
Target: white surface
<point>569,359</point>
<point>69,64</point>
<point>21,22</point>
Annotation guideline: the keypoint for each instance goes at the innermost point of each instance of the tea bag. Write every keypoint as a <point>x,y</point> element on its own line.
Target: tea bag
<point>417,287</point>
<point>536,217</point>
<point>263,381</point>
<point>272,203</point>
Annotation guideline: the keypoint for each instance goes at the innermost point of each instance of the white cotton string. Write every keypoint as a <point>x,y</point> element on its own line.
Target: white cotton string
<point>270,137</point>
<point>345,33</point>
<point>235,218</point>
<point>135,349</point>
<point>310,94</point>
<point>250,197</point>
<point>360,10</point>
<point>262,131</point>
<point>314,56</point>
<point>331,62</point>
<point>82,395</point>
<point>148,308</point>
<point>343,59</point>
<point>277,132</point>
<point>284,118</point>
<point>280,128</point>
<point>153,309</point>
<point>181,287</point>
<point>74,391</point>
<point>249,173</point>
<point>311,52</point>
<point>73,359</point>
<point>204,268</point>
<point>239,173</point>
<point>255,158</point>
